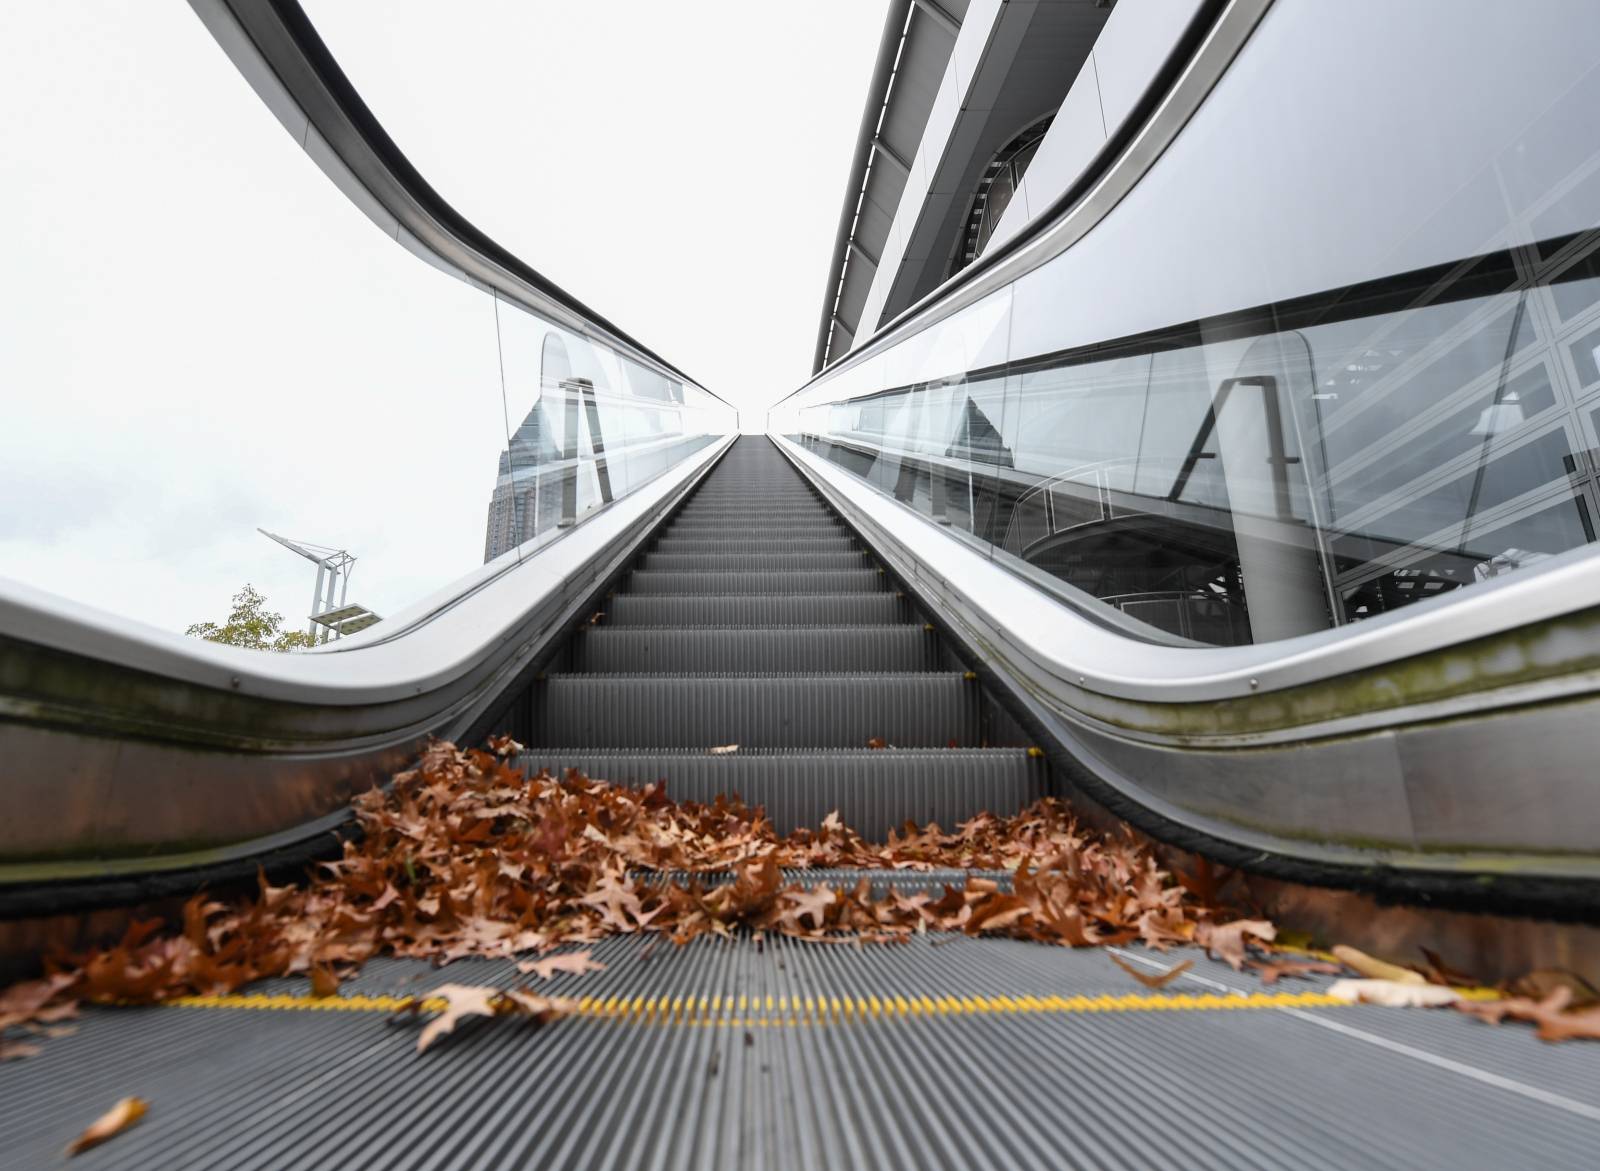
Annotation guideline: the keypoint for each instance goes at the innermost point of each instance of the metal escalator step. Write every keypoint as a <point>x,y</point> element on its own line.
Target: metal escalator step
<point>821,527</point>
<point>738,561</point>
<point>749,502</point>
<point>774,522</point>
<point>753,511</point>
<point>873,791</point>
<point>755,711</point>
<point>839,544</point>
<point>756,496</point>
<point>838,581</point>
<point>756,609</point>
<point>642,649</point>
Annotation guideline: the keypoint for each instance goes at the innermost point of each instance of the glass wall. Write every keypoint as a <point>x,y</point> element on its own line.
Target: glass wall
<point>204,336</point>
<point>1229,485</point>
<point>588,425</point>
<point>1305,462</point>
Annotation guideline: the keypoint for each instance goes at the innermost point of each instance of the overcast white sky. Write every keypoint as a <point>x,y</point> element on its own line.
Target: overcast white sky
<point>198,335</point>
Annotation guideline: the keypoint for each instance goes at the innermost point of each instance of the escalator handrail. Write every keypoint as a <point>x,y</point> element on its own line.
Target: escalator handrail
<point>1107,663</point>
<point>279,52</point>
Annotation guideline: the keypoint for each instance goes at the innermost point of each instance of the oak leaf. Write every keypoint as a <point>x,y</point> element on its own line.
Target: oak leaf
<point>800,903</point>
<point>461,1000</point>
<point>324,981</point>
<point>1440,972</point>
<point>113,1122</point>
<point>1549,1013</point>
<point>1539,983</point>
<point>1272,972</point>
<point>521,1002</point>
<point>1228,940</point>
<point>1160,980</point>
<point>1570,1026</point>
<point>576,963</point>
<point>25,999</point>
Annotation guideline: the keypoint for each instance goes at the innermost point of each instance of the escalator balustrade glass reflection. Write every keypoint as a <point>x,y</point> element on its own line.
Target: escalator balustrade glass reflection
<point>1279,472</point>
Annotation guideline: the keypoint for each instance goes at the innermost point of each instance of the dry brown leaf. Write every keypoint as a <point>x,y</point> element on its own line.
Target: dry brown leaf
<point>1393,993</point>
<point>1570,1026</point>
<point>1271,972</point>
<point>800,904</point>
<point>113,1122</point>
<point>464,855</point>
<point>723,749</point>
<point>324,981</point>
<point>1205,883</point>
<point>1442,973</point>
<point>1541,982</point>
<point>17,1050</point>
<point>575,963</point>
<point>1376,969</point>
<point>541,1008</point>
<point>1229,940</point>
<point>461,1000</point>
<point>1158,980</point>
<point>877,742</point>
<point>1549,1013</point>
<point>24,1000</point>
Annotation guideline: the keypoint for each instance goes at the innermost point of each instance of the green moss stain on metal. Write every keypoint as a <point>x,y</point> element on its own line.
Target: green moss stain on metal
<point>1541,652</point>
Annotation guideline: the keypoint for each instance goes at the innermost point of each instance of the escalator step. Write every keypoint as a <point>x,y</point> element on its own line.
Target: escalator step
<point>754,519</point>
<point>874,791</point>
<point>751,498</point>
<point>838,581</point>
<point>748,507</point>
<point>735,561</point>
<point>839,544</point>
<point>641,650</point>
<point>756,711</point>
<point>753,530</point>
<point>756,610</point>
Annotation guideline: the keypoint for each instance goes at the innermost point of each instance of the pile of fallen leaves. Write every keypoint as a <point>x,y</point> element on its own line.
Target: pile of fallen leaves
<point>464,855</point>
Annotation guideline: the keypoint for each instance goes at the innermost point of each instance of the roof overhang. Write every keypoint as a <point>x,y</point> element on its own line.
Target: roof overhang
<point>918,38</point>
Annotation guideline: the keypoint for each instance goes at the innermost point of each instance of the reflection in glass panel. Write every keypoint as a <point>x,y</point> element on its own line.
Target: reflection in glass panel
<point>935,447</point>
<point>231,344</point>
<point>594,426</point>
<point>1349,455</point>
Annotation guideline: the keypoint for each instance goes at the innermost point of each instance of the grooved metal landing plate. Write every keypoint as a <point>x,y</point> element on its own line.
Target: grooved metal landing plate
<point>979,1054</point>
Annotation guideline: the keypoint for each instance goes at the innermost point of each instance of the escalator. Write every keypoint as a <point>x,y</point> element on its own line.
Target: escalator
<point>756,619</point>
<point>757,649</point>
<point>883,609</point>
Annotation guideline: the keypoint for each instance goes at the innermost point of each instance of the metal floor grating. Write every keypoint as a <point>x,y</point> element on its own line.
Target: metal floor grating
<point>1117,1083</point>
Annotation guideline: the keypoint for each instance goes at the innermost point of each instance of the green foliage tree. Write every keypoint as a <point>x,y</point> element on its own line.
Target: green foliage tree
<point>252,625</point>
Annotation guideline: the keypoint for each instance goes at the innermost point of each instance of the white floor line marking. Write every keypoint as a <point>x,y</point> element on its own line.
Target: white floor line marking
<point>1570,1105</point>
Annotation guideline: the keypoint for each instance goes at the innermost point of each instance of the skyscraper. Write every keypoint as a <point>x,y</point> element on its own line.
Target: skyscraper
<point>527,488</point>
